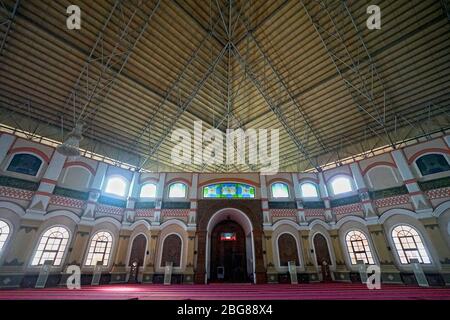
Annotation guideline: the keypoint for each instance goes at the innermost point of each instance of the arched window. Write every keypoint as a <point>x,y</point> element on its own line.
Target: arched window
<point>409,245</point>
<point>177,190</point>
<point>358,247</point>
<point>99,249</point>
<point>309,190</point>
<point>280,190</point>
<point>287,249</point>
<point>171,251</point>
<point>52,246</point>
<point>148,190</point>
<point>432,163</point>
<point>116,186</point>
<point>4,233</point>
<point>341,185</point>
<point>25,163</point>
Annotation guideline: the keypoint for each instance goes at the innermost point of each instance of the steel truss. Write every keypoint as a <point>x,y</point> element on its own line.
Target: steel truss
<point>7,16</point>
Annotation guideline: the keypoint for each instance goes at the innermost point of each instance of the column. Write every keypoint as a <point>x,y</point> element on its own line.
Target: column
<point>440,246</point>
<point>418,199</point>
<point>326,198</point>
<point>192,218</point>
<point>189,273</point>
<point>267,219</point>
<point>363,191</point>
<point>341,273</point>
<point>95,192</point>
<point>6,142</point>
<point>158,201</point>
<point>389,272</point>
<point>149,269</point>
<point>119,269</point>
<point>272,274</point>
<point>200,272</point>
<point>133,195</point>
<point>310,268</point>
<point>298,200</point>
<point>42,196</point>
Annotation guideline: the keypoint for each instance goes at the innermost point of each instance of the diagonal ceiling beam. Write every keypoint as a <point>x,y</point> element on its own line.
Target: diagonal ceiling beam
<point>274,108</point>
<point>7,16</point>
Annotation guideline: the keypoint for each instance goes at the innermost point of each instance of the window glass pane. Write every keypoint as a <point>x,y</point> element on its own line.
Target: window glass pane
<point>52,246</point>
<point>409,245</point>
<point>99,249</point>
<point>177,190</point>
<point>341,185</point>
<point>148,191</point>
<point>229,190</point>
<point>280,190</point>
<point>25,163</point>
<point>358,247</point>
<point>4,232</point>
<point>432,163</point>
<point>116,186</point>
<point>309,190</point>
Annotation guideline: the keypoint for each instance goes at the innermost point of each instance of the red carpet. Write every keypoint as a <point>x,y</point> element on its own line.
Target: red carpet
<point>329,291</point>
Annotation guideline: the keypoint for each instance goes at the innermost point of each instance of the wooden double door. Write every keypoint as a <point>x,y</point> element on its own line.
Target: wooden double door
<point>228,253</point>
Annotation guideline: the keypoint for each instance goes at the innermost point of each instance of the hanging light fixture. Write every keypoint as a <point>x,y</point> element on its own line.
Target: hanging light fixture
<point>71,147</point>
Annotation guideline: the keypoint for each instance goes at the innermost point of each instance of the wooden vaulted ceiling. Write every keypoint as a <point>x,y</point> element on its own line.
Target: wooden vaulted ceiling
<point>277,64</point>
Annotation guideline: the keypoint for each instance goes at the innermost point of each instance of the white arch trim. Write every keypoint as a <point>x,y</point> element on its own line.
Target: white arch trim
<point>350,218</point>
<point>320,223</point>
<point>281,222</point>
<point>173,221</point>
<point>115,222</point>
<point>162,249</point>
<point>12,207</point>
<point>65,213</point>
<point>440,209</point>
<point>297,242</point>
<point>392,212</point>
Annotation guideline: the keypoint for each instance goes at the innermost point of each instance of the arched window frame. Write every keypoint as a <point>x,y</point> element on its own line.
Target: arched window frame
<point>341,176</point>
<point>67,169</point>
<point>38,173</point>
<point>316,187</point>
<point>329,246</point>
<point>370,259</point>
<point>446,157</point>
<point>110,254</point>
<point>116,176</point>
<point>402,249</point>
<point>4,240</point>
<point>148,184</point>
<point>130,246</point>
<point>64,250</point>
<point>160,264</point>
<point>280,198</point>
<point>174,183</point>
<point>278,249</point>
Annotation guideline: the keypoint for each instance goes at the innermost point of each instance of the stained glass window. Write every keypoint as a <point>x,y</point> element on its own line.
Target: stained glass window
<point>409,245</point>
<point>52,246</point>
<point>280,190</point>
<point>229,190</point>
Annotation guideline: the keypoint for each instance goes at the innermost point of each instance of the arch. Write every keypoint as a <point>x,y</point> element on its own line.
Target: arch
<point>116,185</point>
<point>66,213</point>
<point>100,248</point>
<point>427,151</point>
<point>319,222</point>
<point>172,251</point>
<point>80,164</point>
<point>440,209</point>
<point>285,222</point>
<point>111,220</point>
<point>244,221</point>
<point>12,207</point>
<point>316,237</point>
<point>229,180</point>
<point>25,163</point>
<point>284,256</point>
<point>345,219</point>
<point>173,221</point>
<point>409,244</point>
<point>30,150</point>
<point>140,222</point>
<point>77,176</point>
<point>138,243</point>
<point>52,246</point>
<point>396,211</point>
<point>378,164</point>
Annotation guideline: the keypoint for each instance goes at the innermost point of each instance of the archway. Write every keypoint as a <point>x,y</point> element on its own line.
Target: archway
<point>137,256</point>
<point>230,247</point>
<point>322,256</point>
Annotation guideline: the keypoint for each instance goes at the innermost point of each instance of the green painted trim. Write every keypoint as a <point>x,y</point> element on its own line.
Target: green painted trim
<point>18,183</point>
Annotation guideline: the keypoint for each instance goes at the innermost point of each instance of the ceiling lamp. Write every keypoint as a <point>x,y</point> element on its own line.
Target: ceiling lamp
<point>71,147</point>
